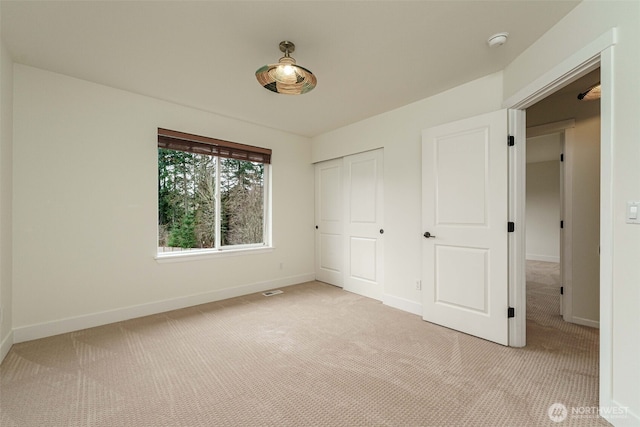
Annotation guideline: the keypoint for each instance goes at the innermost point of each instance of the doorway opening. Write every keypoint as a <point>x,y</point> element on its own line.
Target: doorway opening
<point>563,199</point>
<point>597,54</point>
<point>544,219</point>
<point>562,238</point>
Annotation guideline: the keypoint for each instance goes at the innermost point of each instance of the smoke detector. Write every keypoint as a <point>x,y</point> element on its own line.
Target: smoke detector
<point>497,39</point>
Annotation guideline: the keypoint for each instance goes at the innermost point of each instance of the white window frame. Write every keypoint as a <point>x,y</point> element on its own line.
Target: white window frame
<point>226,250</point>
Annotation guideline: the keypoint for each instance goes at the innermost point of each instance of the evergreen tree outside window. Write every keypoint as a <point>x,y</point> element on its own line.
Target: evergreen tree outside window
<point>212,194</point>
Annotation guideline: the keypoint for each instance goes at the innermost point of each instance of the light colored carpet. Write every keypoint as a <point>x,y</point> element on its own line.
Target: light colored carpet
<point>312,356</point>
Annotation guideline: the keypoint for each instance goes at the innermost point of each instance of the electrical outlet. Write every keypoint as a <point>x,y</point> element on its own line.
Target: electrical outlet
<point>418,285</point>
<point>281,265</point>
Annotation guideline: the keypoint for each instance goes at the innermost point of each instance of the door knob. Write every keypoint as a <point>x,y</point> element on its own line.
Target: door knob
<point>427,235</point>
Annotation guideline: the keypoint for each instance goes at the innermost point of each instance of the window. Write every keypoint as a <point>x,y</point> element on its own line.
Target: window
<point>212,194</point>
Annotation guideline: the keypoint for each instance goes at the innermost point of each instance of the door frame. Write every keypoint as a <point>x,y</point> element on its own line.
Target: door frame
<point>598,53</point>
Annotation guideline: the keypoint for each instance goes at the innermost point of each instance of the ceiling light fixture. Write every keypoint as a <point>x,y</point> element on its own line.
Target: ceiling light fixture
<point>590,94</point>
<point>285,76</point>
<point>497,39</point>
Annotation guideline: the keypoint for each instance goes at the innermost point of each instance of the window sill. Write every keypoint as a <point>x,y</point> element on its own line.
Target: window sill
<point>195,255</point>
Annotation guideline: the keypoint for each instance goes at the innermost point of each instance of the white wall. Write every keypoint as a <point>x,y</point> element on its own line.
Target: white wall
<point>6,195</point>
<point>400,132</point>
<point>544,148</point>
<point>543,210</point>
<point>580,27</point>
<point>85,208</point>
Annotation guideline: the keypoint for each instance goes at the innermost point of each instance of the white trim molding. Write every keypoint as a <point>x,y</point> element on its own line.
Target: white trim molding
<point>402,304</point>
<point>585,322</point>
<point>5,345</point>
<point>619,413</point>
<point>198,254</point>
<point>549,128</point>
<point>517,239</point>
<point>42,330</point>
<point>577,65</point>
<point>544,258</point>
<point>606,229</point>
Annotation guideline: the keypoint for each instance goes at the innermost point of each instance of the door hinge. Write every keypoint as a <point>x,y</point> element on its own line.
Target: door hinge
<point>561,290</point>
<point>561,224</point>
<point>511,312</point>
<point>511,140</point>
<point>511,227</point>
<point>562,157</point>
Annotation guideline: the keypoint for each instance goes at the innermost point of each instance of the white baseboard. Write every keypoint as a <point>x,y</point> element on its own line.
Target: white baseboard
<point>545,258</point>
<point>402,304</point>
<point>619,415</point>
<point>585,322</point>
<point>5,345</point>
<point>56,327</point>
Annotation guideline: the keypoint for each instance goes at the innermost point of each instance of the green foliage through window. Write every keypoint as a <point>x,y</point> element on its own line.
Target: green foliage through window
<point>207,201</point>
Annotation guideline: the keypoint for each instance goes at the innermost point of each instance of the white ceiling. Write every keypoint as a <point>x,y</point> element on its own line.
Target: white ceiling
<point>369,56</point>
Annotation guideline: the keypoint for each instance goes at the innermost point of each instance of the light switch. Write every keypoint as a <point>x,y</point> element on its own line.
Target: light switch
<point>633,209</point>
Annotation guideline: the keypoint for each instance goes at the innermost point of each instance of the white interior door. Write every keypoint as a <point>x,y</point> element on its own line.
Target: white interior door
<point>465,212</point>
<point>329,222</point>
<point>363,192</point>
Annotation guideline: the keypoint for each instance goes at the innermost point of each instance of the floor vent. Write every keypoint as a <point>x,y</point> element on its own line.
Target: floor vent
<point>272,293</point>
